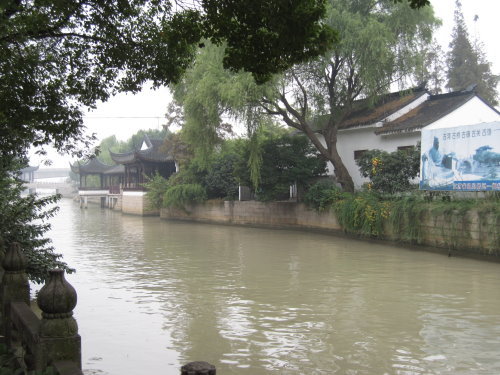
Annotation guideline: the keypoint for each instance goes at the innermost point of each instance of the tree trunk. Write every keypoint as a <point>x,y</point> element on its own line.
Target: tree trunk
<point>331,154</point>
<point>341,173</point>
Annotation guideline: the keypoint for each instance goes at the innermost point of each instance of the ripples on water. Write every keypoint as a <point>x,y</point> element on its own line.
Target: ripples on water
<point>154,295</point>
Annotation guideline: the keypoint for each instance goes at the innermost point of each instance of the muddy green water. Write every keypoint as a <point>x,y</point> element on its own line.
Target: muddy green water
<point>153,295</point>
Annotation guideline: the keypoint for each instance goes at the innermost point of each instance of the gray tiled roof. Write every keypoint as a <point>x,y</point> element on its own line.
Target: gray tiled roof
<point>367,112</point>
<point>436,107</point>
<point>92,166</point>
<point>154,153</point>
<point>116,169</point>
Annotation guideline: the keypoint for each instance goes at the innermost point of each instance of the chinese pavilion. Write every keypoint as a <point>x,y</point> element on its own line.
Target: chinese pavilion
<point>28,174</point>
<point>139,164</point>
<point>108,176</point>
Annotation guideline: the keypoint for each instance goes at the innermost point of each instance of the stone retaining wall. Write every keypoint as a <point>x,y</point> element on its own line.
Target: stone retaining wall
<point>274,214</point>
<point>135,203</point>
<point>472,234</point>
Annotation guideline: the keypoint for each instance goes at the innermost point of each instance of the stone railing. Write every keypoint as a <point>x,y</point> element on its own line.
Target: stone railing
<point>39,343</point>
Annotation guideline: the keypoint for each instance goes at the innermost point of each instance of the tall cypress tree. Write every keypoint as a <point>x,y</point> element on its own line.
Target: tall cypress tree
<point>467,64</point>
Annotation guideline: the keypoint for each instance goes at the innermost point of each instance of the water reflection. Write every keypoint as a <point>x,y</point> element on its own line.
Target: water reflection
<point>154,295</point>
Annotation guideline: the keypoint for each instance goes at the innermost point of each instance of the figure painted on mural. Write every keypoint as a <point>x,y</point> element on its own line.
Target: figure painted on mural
<point>435,167</point>
<point>434,153</point>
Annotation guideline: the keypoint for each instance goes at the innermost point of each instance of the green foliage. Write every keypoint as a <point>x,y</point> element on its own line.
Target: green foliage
<point>362,213</point>
<point>406,215</point>
<point>408,212</point>
<point>61,56</point>
<point>415,4</point>
<point>179,196</point>
<point>252,27</point>
<point>254,161</point>
<point>110,144</point>
<point>286,159</point>
<point>467,64</point>
<point>207,93</point>
<point>390,172</point>
<point>403,216</point>
<point>156,186</point>
<point>219,180</point>
<point>322,195</point>
<point>388,32</point>
<point>432,70</point>
<point>24,219</point>
<point>135,141</point>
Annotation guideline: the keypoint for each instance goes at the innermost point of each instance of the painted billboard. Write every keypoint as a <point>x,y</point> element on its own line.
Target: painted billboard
<point>462,158</point>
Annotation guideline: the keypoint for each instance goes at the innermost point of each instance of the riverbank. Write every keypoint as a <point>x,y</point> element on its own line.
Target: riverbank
<point>474,235</point>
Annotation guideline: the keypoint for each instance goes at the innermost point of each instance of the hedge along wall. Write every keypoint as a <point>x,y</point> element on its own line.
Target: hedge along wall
<point>473,232</point>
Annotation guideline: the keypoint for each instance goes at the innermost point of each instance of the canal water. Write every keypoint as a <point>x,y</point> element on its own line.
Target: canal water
<point>154,294</point>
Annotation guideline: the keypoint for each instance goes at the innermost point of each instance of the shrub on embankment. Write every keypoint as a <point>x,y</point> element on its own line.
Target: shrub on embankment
<point>414,217</point>
<point>180,195</point>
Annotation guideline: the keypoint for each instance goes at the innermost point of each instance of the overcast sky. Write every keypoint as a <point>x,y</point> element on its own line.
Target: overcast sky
<point>125,114</point>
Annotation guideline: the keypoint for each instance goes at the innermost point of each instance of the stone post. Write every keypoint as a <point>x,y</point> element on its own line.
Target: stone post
<point>15,286</point>
<point>198,368</point>
<point>59,338</point>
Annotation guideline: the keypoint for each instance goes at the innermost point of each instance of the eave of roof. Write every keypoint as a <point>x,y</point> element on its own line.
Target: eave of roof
<point>93,166</point>
<point>116,169</point>
<point>30,169</point>
<point>123,158</point>
<point>386,106</point>
<point>428,112</point>
<point>368,114</point>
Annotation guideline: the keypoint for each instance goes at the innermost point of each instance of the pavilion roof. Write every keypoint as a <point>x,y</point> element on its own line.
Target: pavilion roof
<point>92,166</point>
<point>116,169</point>
<point>30,169</point>
<point>151,151</point>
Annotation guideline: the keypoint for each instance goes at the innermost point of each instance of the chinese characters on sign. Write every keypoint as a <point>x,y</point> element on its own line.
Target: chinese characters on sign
<point>462,158</point>
<point>467,134</point>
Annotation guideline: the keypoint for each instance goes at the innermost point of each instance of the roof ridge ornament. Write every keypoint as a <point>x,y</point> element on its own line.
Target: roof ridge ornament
<point>470,88</point>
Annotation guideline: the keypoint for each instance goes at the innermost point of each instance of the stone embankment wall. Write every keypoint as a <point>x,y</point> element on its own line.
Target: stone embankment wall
<point>475,233</point>
<point>136,203</point>
<point>475,230</point>
<point>272,214</point>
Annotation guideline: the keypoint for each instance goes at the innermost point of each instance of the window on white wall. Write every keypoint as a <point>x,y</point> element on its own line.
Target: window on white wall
<point>359,153</point>
<point>406,148</point>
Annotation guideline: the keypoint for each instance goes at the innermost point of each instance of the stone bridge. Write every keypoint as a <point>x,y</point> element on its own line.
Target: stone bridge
<point>65,189</point>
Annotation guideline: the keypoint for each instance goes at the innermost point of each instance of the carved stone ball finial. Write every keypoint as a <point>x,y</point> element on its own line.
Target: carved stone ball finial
<point>198,368</point>
<point>14,260</point>
<point>15,281</point>
<point>57,299</point>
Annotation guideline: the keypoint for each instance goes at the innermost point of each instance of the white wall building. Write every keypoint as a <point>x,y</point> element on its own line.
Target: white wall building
<point>396,122</point>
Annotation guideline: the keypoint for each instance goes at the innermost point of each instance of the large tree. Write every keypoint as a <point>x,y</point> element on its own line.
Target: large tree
<point>58,57</point>
<point>432,71</point>
<point>379,42</point>
<point>467,64</point>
